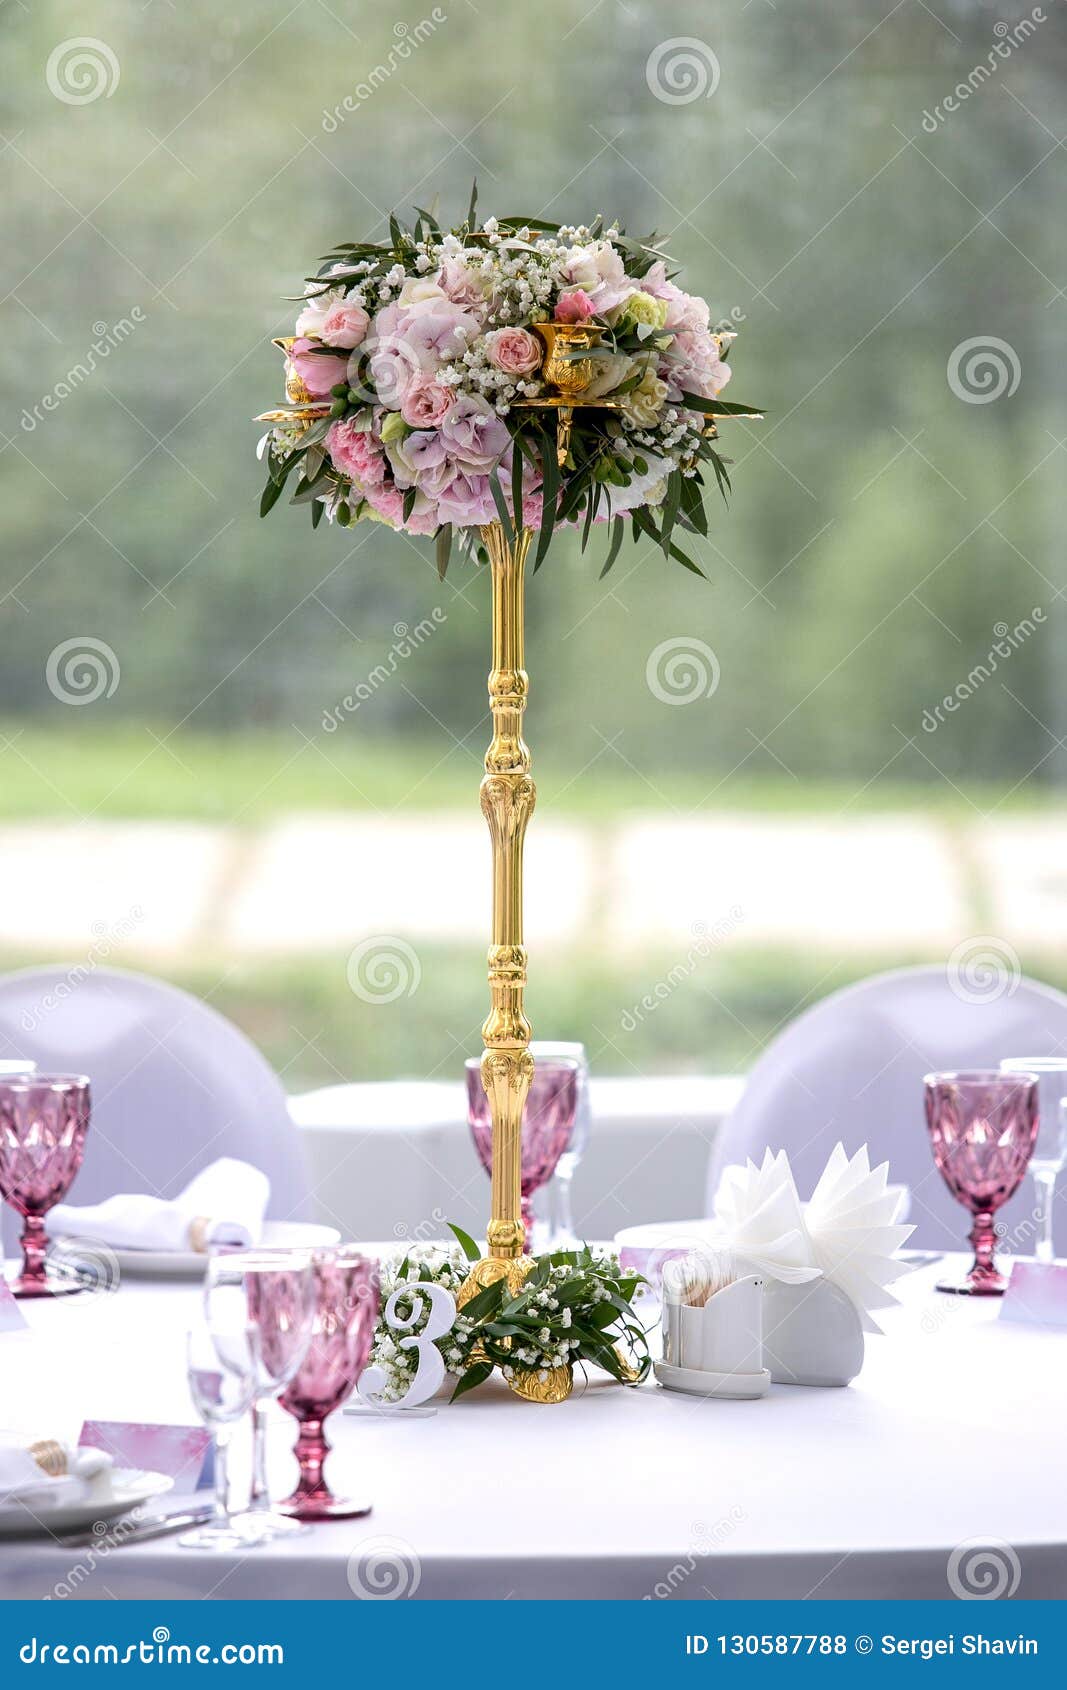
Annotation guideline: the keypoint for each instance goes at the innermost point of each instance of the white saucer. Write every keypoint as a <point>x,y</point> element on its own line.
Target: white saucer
<point>737,1385</point>
<point>192,1264</point>
<point>119,1490</point>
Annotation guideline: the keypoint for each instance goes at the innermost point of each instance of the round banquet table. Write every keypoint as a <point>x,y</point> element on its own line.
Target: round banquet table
<point>953,1432</point>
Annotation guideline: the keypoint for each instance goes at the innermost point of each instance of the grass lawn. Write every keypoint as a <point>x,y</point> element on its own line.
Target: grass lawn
<point>77,770</point>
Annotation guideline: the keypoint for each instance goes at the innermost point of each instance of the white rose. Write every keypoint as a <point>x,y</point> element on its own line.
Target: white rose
<point>418,293</point>
<point>314,314</point>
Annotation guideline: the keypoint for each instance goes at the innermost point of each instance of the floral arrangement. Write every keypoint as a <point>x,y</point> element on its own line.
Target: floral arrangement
<point>573,1307</point>
<point>431,379</point>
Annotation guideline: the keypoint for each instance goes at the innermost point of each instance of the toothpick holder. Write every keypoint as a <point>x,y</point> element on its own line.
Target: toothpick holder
<point>716,1350</point>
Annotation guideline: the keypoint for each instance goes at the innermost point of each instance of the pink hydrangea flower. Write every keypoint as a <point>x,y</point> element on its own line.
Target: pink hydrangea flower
<point>467,502</point>
<point>474,434</point>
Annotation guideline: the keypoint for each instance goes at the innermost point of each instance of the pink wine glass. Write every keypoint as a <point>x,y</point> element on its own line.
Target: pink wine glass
<point>43,1122</point>
<point>547,1123</point>
<point>342,1330</point>
<point>982,1126</point>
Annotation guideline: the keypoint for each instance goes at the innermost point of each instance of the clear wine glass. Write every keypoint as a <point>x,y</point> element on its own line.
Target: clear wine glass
<point>273,1291</point>
<point>982,1125</point>
<point>562,1235</point>
<point>1050,1149</point>
<point>222,1369</point>
<point>43,1122</point>
<point>547,1123</point>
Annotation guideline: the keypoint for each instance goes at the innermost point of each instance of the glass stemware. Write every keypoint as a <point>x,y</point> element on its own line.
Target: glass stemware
<point>43,1122</point>
<point>1050,1148</point>
<point>562,1235</point>
<point>346,1309</point>
<point>274,1291</point>
<point>221,1368</point>
<point>547,1123</point>
<point>982,1125</point>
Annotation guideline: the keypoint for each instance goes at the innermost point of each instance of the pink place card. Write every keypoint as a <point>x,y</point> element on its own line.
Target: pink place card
<point>1036,1294</point>
<point>183,1452</point>
<point>12,1318</point>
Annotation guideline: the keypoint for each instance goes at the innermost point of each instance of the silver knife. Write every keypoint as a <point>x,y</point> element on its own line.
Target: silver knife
<point>117,1538</point>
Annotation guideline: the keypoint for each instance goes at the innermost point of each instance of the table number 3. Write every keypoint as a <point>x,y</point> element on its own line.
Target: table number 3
<point>430,1372</point>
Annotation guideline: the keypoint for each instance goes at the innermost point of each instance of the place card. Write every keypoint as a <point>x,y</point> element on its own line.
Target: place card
<point>12,1318</point>
<point>1036,1294</point>
<point>184,1453</point>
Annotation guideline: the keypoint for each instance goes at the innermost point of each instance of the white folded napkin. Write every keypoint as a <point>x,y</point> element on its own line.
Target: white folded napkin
<point>758,1214</point>
<point>22,1479</point>
<point>851,1224</point>
<point>223,1206</point>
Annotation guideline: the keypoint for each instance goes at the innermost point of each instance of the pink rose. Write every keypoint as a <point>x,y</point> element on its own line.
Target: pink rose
<point>355,453</point>
<point>574,306</point>
<point>516,351</point>
<point>426,403</point>
<point>317,371</point>
<point>692,364</point>
<point>389,503</point>
<point>462,285</point>
<point>345,325</point>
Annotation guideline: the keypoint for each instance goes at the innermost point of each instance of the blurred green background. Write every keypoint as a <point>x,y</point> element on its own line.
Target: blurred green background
<point>882,528</point>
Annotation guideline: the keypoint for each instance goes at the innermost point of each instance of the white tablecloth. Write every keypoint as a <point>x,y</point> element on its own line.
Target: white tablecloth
<point>954,1431</point>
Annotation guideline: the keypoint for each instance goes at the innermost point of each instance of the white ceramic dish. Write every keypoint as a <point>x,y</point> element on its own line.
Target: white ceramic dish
<point>121,1489</point>
<point>191,1264</point>
<point>740,1386</point>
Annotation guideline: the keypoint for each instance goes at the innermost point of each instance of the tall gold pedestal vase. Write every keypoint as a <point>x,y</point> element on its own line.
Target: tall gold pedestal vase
<point>508,796</point>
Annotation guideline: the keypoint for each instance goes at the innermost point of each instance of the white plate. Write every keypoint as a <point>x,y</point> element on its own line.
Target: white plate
<point>124,1488</point>
<point>191,1264</point>
<point>740,1386</point>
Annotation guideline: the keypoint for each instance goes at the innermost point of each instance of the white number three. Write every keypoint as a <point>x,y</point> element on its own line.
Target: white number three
<point>430,1372</point>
